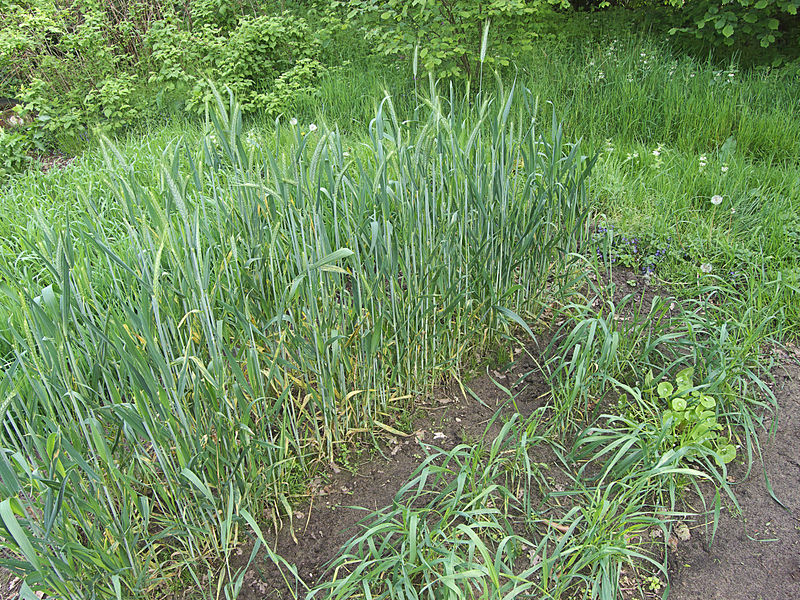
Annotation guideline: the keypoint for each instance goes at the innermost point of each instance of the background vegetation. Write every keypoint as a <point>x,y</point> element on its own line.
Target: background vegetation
<point>81,67</point>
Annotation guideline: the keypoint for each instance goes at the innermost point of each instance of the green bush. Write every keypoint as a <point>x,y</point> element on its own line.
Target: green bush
<point>262,60</point>
<point>748,25</point>
<point>88,66</point>
<point>450,33</point>
<point>15,146</point>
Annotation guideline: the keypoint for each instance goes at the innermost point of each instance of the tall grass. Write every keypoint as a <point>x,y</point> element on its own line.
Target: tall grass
<point>626,97</point>
<point>183,348</point>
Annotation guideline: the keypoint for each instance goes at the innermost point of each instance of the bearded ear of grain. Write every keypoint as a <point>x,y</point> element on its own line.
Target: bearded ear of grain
<point>485,40</point>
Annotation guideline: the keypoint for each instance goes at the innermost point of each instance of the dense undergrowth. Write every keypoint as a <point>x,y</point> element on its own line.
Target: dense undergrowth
<point>196,317</point>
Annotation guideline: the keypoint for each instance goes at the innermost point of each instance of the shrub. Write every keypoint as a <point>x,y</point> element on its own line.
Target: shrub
<point>14,148</point>
<point>258,60</point>
<point>87,66</point>
<point>745,24</point>
<point>450,33</point>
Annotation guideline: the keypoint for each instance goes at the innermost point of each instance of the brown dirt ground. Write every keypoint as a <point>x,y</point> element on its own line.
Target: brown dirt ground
<point>447,419</point>
<point>755,555</point>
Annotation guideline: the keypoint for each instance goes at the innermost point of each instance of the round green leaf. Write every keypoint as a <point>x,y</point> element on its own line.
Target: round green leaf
<point>727,453</point>
<point>708,401</point>
<point>684,378</point>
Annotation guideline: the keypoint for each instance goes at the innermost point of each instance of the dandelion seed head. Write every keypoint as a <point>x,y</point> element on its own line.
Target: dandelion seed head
<point>716,199</point>
<point>706,268</point>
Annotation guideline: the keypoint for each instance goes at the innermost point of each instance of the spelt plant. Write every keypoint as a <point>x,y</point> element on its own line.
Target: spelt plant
<point>183,348</point>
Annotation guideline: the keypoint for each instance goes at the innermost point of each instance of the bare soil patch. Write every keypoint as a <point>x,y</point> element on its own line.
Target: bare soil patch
<point>449,418</point>
<point>755,555</point>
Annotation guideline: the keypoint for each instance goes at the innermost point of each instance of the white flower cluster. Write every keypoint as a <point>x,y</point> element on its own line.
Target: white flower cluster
<point>723,77</point>
<point>657,153</point>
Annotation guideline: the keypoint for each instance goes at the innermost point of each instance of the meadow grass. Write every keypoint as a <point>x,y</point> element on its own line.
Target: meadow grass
<point>195,317</point>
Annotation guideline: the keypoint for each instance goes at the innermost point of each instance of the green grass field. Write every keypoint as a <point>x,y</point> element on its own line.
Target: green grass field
<point>197,317</point>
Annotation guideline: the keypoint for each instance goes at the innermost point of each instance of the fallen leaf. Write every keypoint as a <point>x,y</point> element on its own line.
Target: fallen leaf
<point>672,542</point>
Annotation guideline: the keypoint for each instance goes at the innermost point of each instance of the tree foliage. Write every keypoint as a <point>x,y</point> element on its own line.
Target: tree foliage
<point>744,23</point>
<point>450,33</point>
<point>79,65</point>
